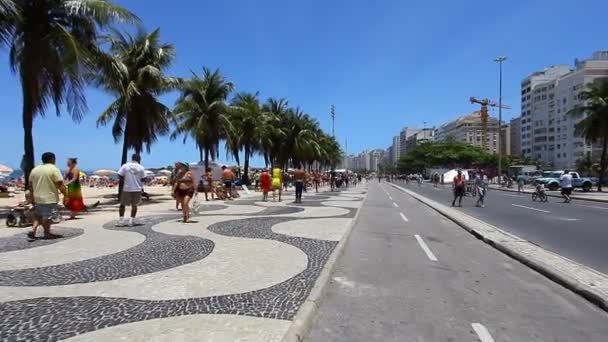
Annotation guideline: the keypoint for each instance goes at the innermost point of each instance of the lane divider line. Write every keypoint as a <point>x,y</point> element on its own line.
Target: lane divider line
<point>389,197</point>
<point>404,218</point>
<point>395,204</point>
<point>482,332</point>
<point>425,248</point>
<point>523,206</point>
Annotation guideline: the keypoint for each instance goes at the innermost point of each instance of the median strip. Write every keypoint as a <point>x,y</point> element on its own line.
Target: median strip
<point>587,282</point>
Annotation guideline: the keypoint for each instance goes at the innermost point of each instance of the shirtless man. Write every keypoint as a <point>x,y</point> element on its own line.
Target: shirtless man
<point>299,177</point>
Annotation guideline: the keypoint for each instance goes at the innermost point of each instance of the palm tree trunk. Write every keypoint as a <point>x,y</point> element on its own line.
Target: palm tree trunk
<point>206,159</point>
<point>603,162</point>
<point>28,139</point>
<point>246,166</point>
<point>200,153</point>
<point>123,160</point>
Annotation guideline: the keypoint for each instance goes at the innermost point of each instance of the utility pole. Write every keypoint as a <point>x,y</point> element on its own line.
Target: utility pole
<point>333,120</point>
<point>500,60</point>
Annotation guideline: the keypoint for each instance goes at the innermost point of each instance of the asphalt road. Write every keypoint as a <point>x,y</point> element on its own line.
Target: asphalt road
<point>576,230</point>
<point>409,274</point>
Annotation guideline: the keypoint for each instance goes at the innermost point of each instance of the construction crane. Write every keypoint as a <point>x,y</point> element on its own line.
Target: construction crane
<point>485,103</point>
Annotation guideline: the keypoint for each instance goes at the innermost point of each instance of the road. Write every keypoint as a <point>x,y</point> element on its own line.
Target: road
<point>409,274</point>
<point>576,230</point>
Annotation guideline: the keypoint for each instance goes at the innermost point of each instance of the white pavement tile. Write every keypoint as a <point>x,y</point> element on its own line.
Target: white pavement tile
<point>193,328</point>
<point>236,265</point>
<point>322,229</point>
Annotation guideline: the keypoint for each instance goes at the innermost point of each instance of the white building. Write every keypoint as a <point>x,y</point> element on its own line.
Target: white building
<point>467,128</point>
<point>396,149</point>
<point>547,131</point>
<point>424,135</point>
<point>405,133</point>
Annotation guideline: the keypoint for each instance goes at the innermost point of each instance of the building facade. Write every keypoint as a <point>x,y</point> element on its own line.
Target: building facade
<point>515,136</point>
<point>424,135</point>
<point>467,129</point>
<point>405,133</point>
<point>396,148</point>
<point>505,139</point>
<point>547,127</point>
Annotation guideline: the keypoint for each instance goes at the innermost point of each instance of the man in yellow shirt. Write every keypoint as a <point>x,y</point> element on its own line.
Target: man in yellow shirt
<point>45,184</point>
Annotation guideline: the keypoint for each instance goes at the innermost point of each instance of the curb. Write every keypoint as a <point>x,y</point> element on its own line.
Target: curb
<point>557,196</point>
<point>585,281</point>
<point>302,322</point>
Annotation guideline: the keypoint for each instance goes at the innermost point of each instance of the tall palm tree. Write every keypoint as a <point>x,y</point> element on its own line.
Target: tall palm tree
<point>49,44</point>
<point>8,17</point>
<point>250,121</point>
<point>201,112</point>
<point>594,126</point>
<point>273,135</point>
<point>133,71</point>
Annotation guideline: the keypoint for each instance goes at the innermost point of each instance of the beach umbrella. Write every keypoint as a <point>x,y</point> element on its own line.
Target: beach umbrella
<point>94,177</point>
<point>5,170</point>
<point>105,173</point>
<point>165,172</point>
<point>148,173</point>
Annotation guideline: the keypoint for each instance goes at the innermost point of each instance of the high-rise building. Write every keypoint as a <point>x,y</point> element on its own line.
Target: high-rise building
<point>505,140</point>
<point>467,129</point>
<point>424,135</point>
<point>405,133</point>
<point>515,136</point>
<point>396,148</point>
<point>547,126</point>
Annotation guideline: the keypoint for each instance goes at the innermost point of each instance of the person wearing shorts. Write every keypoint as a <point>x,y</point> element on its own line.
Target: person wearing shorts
<point>45,183</point>
<point>565,181</point>
<point>228,179</point>
<point>458,189</point>
<point>131,174</point>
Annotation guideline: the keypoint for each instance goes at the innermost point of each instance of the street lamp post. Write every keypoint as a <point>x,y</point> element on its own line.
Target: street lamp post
<point>499,60</point>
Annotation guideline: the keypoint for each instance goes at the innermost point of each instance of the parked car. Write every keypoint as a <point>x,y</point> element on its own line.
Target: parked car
<point>551,180</point>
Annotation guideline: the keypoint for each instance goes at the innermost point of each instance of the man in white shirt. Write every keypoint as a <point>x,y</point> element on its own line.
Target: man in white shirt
<point>565,181</point>
<point>132,174</point>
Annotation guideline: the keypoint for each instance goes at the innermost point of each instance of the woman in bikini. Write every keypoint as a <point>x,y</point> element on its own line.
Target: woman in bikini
<point>183,189</point>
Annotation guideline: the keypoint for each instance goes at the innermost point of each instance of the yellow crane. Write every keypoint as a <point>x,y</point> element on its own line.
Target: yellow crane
<point>485,103</point>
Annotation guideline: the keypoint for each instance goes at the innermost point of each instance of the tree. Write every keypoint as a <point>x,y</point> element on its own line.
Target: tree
<point>594,124</point>
<point>133,72</point>
<point>50,43</point>
<point>250,121</point>
<point>201,112</point>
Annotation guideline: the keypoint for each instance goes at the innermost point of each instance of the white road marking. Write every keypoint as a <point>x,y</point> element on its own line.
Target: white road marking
<point>395,204</point>
<point>425,248</point>
<point>523,206</point>
<point>389,197</point>
<point>591,206</point>
<point>344,282</point>
<point>404,218</point>
<point>482,332</point>
<point>567,219</point>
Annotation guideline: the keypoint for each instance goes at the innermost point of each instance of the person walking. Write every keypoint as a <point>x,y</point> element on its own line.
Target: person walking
<point>316,180</point>
<point>565,181</point>
<point>132,174</point>
<point>521,180</point>
<point>299,176</point>
<point>73,199</point>
<point>265,184</point>
<point>45,183</point>
<point>256,179</point>
<point>458,184</point>
<point>208,184</point>
<point>277,183</point>
<point>482,188</point>
<point>228,179</point>
<point>183,190</point>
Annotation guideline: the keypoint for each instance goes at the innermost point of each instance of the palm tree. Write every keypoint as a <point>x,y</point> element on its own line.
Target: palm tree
<point>133,72</point>
<point>594,126</point>
<point>251,122</point>
<point>201,112</point>
<point>8,19</point>
<point>49,45</point>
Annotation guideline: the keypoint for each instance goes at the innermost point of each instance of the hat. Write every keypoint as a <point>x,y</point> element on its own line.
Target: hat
<point>184,164</point>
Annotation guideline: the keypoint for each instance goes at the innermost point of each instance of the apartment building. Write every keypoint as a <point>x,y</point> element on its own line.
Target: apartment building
<point>405,133</point>
<point>548,96</point>
<point>515,136</point>
<point>467,128</point>
<point>424,135</point>
<point>396,148</point>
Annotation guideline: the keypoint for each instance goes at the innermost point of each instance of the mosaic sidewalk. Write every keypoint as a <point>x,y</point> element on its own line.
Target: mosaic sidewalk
<point>240,272</point>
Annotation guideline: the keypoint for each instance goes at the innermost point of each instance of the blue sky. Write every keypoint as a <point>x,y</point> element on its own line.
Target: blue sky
<point>384,64</point>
